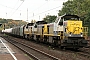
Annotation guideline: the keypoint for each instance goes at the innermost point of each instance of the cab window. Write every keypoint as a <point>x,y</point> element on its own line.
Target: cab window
<point>61,22</point>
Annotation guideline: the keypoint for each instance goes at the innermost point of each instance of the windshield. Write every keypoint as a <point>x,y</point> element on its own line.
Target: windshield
<point>70,17</point>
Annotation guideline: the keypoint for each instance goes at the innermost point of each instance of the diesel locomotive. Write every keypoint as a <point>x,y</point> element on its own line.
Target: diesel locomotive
<point>67,31</point>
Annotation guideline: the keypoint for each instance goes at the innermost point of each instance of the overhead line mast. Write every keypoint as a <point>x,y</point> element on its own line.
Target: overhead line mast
<point>27,14</point>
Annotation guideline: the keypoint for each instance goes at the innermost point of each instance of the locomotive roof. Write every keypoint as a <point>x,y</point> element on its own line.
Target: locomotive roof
<point>41,22</point>
<point>70,16</point>
<point>30,24</point>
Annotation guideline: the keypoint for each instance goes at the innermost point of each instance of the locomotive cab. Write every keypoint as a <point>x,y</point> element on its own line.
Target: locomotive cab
<point>74,34</point>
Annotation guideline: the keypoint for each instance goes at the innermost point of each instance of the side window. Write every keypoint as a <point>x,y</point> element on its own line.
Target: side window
<point>35,26</point>
<point>61,22</point>
<point>26,26</point>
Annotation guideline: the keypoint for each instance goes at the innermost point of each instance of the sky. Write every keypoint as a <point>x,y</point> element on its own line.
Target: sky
<point>28,10</point>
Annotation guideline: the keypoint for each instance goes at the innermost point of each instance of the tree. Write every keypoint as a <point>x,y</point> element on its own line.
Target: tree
<point>49,18</point>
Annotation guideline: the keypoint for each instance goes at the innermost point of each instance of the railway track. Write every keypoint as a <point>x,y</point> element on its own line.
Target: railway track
<point>80,53</point>
<point>32,52</point>
<point>84,54</point>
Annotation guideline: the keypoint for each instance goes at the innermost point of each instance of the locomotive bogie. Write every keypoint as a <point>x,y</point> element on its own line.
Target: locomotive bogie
<point>74,43</point>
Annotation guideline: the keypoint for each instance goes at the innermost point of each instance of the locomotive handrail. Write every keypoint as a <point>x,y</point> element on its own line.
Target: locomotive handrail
<point>85,32</point>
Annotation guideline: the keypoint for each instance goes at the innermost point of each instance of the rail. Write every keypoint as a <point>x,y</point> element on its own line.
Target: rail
<point>34,57</point>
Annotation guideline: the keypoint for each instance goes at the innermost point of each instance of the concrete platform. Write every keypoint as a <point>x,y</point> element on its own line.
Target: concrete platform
<point>10,52</point>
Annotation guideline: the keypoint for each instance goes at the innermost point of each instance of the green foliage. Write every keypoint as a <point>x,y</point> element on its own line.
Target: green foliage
<point>9,23</point>
<point>49,18</point>
<point>78,7</point>
<point>3,21</point>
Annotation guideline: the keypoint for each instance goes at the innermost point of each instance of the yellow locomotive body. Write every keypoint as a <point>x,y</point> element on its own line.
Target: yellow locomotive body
<point>74,27</point>
<point>75,35</point>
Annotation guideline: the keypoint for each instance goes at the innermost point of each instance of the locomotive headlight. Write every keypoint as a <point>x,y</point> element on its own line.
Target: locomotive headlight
<point>70,35</point>
<point>81,35</point>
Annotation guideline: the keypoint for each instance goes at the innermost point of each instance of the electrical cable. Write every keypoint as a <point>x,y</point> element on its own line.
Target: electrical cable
<point>46,11</point>
<point>14,6</point>
<point>17,8</point>
<point>7,6</point>
<point>38,7</point>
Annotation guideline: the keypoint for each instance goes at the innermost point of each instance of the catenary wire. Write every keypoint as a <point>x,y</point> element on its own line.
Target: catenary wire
<point>17,9</point>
